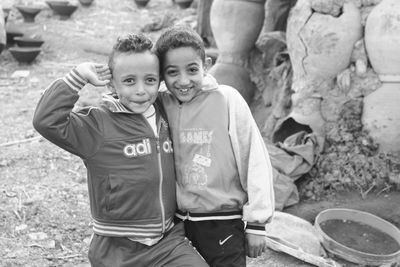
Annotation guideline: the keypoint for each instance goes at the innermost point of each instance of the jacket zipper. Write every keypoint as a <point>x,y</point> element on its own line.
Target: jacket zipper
<point>160,172</point>
<point>180,106</point>
<point>161,178</point>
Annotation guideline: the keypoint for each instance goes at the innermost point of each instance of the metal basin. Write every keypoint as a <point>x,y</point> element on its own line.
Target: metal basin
<point>362,221</point>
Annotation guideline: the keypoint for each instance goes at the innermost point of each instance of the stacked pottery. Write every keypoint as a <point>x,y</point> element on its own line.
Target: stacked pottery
<point>381,113</point>
<point>236,25</point>
<point>26,49</point>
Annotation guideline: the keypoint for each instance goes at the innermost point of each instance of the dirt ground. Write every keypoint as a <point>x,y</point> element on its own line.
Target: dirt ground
<point>44,212</point>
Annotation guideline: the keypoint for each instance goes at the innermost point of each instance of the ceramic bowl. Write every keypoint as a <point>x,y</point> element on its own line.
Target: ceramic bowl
<point>184,3</point>
<point>141,3</point>
<point>24,54</point>
<point>28,12</point>
<point>65,11</point>
<point>23,41</point>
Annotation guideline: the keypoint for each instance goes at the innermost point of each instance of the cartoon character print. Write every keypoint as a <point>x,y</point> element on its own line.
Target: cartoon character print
<point>195,170</point>
<point>195,175</point>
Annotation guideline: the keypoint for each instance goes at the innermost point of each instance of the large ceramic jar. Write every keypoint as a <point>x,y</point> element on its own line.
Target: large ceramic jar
<point>236,25</point>
<point>381,113</point>
<point>319,44</point>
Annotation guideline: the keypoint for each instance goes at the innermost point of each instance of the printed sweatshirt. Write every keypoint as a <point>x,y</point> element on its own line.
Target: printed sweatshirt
<point>222,164</point>
<point>131,176</point>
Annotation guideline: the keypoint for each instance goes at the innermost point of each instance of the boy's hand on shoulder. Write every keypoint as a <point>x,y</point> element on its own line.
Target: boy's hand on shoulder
<point>96,74</point>
<point>255,245</point>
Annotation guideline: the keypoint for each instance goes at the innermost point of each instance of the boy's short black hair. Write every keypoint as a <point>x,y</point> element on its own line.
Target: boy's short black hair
<point>130,43</point>
<point>179,36</point>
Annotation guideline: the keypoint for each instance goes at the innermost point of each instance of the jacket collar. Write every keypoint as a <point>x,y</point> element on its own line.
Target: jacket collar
<point>111,102</point>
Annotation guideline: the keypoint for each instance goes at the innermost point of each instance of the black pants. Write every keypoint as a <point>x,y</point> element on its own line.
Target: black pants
<point>174,250</point>
<point>220,242</point>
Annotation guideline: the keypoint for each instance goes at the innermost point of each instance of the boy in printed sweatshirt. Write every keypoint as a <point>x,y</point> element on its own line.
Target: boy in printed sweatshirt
<point>224,176</point>
<point>126,147</point>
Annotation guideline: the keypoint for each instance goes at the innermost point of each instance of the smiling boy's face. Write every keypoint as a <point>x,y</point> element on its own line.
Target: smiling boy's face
<point>183,72</point>
<point>136,79</point>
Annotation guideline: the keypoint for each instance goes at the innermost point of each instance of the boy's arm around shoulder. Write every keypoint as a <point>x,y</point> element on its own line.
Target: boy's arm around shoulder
<point>253,162</point>
<point>54,119</point>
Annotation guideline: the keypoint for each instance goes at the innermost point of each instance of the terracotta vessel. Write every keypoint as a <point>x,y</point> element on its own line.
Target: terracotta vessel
<point>320,45</point>
<point>23,41</point>
<point>28,12</point>
<point>141,3</point>
<point>50,3</point>
<point>236,25</point>
<point>184,3</point>
<point>86,2</point>
<point>24,54</point>
<point>381,113</point>
<point>63,10</point>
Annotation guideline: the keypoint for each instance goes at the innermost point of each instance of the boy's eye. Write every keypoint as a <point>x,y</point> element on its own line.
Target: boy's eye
<point>171,72</point>
<point>151,80</point>
<point>193,70</point>
<point>129,81</point>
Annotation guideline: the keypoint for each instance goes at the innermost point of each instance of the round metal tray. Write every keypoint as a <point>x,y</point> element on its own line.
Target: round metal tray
<point>351,254</point>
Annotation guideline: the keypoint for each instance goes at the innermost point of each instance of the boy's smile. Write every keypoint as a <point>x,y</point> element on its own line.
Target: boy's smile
<point>136,79</point>
<point>183,73</point>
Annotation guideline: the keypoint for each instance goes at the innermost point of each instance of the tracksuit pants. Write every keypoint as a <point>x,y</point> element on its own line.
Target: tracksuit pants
<point>220,242</point>
<point>173,250</point>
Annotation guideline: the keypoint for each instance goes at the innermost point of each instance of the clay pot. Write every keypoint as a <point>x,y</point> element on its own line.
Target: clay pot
<point>86,2</point>
<point>184,3</point>
<point>50,3</point>
<point>28,12</point>
<point>24,54</point>
<point>382,39</point>
<point>236,25</point>
<point>141,3</point>
<point>381,113</point>
<point>304,116</point>
<point>65,11</point>
<point>320,45</point>
<point>23,41</point>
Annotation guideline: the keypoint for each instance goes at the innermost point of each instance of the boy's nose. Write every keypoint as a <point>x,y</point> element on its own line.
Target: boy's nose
<point>140,89</point>
<point>184,79</point>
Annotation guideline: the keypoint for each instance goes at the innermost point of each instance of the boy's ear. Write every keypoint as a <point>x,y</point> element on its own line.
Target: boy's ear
<point>207,64</point>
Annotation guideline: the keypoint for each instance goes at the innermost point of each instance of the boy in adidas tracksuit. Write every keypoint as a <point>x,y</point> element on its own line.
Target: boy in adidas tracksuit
<point>127,151</point>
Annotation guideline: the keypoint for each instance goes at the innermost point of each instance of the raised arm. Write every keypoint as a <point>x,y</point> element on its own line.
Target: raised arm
<point>78,133</point>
